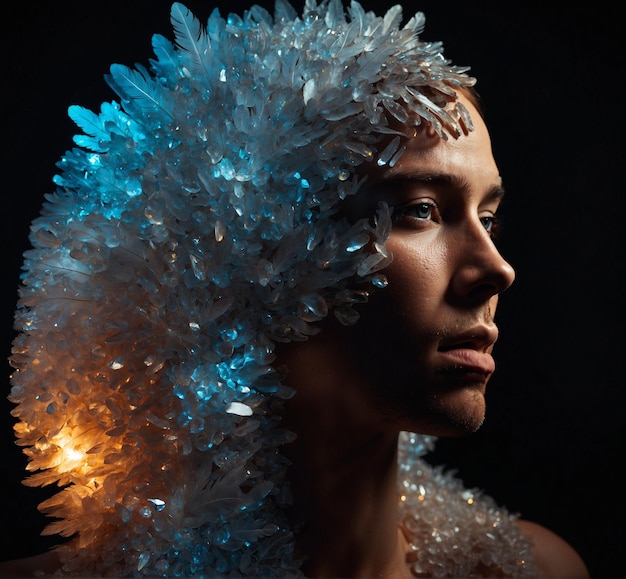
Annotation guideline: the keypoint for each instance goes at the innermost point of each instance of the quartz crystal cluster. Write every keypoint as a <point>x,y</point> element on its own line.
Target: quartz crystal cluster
<point>454,531</point>
<point>193,226</point>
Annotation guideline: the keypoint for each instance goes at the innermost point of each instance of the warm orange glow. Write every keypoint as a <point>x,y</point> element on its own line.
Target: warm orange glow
<point>69,456</point>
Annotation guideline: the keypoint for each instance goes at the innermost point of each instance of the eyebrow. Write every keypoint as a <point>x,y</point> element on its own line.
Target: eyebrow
<point>437,179</point>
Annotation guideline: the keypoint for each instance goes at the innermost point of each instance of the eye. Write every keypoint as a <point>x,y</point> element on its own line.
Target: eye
<point>491,224</point>
<point>422,211</point>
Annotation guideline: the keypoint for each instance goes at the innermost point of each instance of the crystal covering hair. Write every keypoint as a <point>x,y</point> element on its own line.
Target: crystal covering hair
<point>196,224</point>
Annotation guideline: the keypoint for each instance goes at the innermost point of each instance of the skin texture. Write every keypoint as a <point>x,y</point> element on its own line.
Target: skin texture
<point>419,359</point>
<point>423,347</point>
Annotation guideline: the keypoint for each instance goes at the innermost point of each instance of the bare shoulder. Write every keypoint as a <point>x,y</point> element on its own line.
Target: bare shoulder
<point>554,556</point>
<point>42,565</point>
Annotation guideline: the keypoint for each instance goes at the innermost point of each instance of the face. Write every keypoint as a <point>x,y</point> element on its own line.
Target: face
<point>423,345</point>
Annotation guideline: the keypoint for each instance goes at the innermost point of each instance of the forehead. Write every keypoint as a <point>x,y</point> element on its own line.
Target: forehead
<point>468,157</point>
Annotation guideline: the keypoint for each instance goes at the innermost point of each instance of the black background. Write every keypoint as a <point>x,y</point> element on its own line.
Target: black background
<point>551,76</point>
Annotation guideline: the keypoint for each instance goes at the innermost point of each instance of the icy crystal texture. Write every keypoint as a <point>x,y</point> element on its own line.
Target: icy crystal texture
<point>194,225</point>
<point>454,531</point>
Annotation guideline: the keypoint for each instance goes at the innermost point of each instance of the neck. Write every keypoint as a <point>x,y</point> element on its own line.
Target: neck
<point>346,506</point>
<point>343,480</point>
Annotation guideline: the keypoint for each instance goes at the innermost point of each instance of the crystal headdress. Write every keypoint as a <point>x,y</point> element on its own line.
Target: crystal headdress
<point>196,224</point>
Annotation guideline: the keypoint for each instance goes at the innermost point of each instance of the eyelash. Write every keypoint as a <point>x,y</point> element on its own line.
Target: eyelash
<point>491,223</point>
<point>405,211</point>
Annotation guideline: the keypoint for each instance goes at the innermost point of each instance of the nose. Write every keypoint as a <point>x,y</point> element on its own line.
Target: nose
<point>481,270</point>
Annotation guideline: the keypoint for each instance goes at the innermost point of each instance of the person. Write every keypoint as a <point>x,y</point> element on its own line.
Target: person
<point>265,285</point>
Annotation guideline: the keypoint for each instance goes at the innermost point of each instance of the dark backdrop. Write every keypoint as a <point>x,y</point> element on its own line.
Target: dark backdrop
<point>551,76</point>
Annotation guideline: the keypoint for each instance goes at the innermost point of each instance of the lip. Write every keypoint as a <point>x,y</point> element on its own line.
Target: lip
<point>467,361</point>
<point>478,338</point>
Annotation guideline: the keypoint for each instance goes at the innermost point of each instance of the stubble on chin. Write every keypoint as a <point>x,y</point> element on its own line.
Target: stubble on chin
<point>443,414</point>
<point>460,412</point>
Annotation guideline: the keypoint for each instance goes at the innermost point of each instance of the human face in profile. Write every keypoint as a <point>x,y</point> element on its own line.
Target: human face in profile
<point>424,344</point>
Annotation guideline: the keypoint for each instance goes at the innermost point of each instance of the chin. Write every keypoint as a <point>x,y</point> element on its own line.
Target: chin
<point>454,414</point>
<point>461,427</point>
<point>464,411</point>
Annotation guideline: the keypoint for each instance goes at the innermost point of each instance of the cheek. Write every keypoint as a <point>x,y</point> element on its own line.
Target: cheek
<point>418,276</point>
